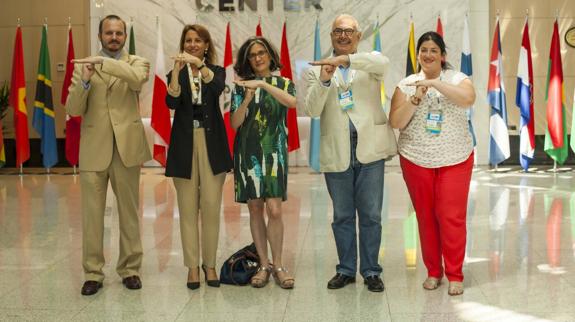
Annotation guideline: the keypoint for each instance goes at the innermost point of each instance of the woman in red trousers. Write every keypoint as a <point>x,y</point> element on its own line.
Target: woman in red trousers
<point>436,155</point>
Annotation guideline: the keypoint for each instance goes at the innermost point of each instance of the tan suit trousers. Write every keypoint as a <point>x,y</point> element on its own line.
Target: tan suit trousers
<point>202,194</point>
<point>125,184</point>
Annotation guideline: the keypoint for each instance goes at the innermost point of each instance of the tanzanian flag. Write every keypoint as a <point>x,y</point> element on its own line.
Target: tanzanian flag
<point>43,120</point>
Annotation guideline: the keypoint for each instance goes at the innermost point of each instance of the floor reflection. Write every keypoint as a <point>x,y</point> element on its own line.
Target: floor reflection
<point>519,264</point>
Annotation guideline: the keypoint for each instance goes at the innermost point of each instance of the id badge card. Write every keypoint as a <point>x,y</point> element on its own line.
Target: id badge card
<point>433,121</point>
<point>346,100</point>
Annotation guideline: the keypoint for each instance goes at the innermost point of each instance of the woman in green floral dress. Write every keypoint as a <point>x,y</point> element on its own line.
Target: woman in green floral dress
<point>259,109</point>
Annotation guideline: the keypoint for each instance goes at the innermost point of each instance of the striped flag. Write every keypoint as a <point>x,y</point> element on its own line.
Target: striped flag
<point>467,69</point>
<point>555,134</point>
<point>411,65</point>
<point>132,46</point>
<point>293,132</point>
<point>439,28</point>
<point>499,142</point>
<point>43,119</point>
<point>73,123</point>
<point>225,98</point>
<point>160,120</point>
<point>314,136</point>
<point>524,100</point>
<point>18,102</point>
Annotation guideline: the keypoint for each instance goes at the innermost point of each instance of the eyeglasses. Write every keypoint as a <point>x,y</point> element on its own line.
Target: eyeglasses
<point>259,54</point>
<point>348,32</point>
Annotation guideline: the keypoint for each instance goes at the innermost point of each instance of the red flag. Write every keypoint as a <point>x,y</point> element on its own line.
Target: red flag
<point>293,133</point>
<point>225,98</point>
<point>18,101</point>
<point>73,123</point>
<point>259,28</point>
<point>555,91</point>
<point>439,26</point>
<point>160,113</point>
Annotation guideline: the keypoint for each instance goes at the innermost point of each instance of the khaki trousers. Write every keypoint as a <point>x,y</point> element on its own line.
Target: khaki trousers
<point>202,194</point>
<point>125,184</point>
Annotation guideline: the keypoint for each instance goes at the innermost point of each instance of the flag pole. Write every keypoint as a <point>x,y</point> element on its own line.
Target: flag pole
<point>75,172</point>
<point>554,166</point>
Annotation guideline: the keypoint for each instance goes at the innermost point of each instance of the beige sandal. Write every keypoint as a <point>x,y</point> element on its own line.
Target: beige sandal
<point>455,288</point>
<point>287,282</point>
<point>431,283</point>
<point>262,277</point>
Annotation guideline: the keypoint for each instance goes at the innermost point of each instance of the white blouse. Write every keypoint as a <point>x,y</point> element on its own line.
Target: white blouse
<point>453,144</point>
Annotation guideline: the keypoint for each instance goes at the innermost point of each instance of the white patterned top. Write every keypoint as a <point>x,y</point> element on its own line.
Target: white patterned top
<point>453,144</point>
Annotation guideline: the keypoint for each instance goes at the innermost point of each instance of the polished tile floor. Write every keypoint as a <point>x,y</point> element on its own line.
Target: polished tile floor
<point>520,263</point>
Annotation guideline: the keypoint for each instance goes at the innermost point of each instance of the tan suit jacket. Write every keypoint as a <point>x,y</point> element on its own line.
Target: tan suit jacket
<point>110,109</point>
<point>367,114</point>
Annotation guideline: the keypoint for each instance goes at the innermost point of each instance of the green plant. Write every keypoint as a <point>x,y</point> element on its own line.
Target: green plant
<point>4,100</point>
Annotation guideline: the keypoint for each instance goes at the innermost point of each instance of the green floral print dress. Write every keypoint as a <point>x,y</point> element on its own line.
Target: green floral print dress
<point>260,146</point>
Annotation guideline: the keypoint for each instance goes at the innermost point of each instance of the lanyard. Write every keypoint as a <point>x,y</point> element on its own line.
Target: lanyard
<point>196,86</point>
<point>351,76</point>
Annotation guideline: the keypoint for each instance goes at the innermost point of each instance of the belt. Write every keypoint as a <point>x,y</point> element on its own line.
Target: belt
<point>198,124</point>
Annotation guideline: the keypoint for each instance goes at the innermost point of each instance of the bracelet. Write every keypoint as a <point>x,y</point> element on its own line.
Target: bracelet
<point>201,66</point>
<point>415,100</point>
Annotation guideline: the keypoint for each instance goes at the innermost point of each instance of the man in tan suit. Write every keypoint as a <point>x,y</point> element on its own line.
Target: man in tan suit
<point>355,140</point>
<point>104,91</point>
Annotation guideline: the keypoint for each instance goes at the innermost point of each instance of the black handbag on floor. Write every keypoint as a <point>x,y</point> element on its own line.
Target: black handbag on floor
<point>240,267</point>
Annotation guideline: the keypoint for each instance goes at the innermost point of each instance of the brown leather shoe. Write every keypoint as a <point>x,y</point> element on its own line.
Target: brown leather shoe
<point>91,287</point>
<point>132,282</point>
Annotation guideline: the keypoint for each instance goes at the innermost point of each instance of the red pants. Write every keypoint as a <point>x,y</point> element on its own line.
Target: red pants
<point>439,196</point>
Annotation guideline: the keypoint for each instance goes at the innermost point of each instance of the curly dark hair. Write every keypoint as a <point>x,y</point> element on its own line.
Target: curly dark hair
<point>243,68</point>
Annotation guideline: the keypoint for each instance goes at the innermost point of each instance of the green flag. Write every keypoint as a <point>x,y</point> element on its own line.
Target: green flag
<point>132,48</point>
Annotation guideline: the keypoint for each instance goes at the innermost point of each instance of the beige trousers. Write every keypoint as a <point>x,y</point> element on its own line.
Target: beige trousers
<point>125,184</point>
<point>202,194</point>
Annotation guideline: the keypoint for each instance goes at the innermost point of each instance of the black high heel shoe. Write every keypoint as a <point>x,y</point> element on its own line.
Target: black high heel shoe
<point>212,283</point>
<point>193,285</point>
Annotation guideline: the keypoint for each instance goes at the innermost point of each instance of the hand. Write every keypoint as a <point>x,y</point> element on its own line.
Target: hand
<point>421,88</point>
<point>186,58</point>
<point>178,65</point>
<point>87,72</point>
<point>342,60</point>
<point>251,84</point>
<point>250,93</point>
<point>89,60</point>
<point>326,73</point>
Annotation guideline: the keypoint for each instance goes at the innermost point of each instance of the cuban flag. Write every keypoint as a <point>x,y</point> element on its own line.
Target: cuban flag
<point>499,142</point>
<point>524,100</point>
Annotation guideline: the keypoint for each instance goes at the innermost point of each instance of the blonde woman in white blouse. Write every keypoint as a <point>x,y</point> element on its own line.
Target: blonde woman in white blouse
<point>436,154</point>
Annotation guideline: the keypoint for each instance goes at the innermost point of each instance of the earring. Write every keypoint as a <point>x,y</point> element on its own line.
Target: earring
<point>205,51</point>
